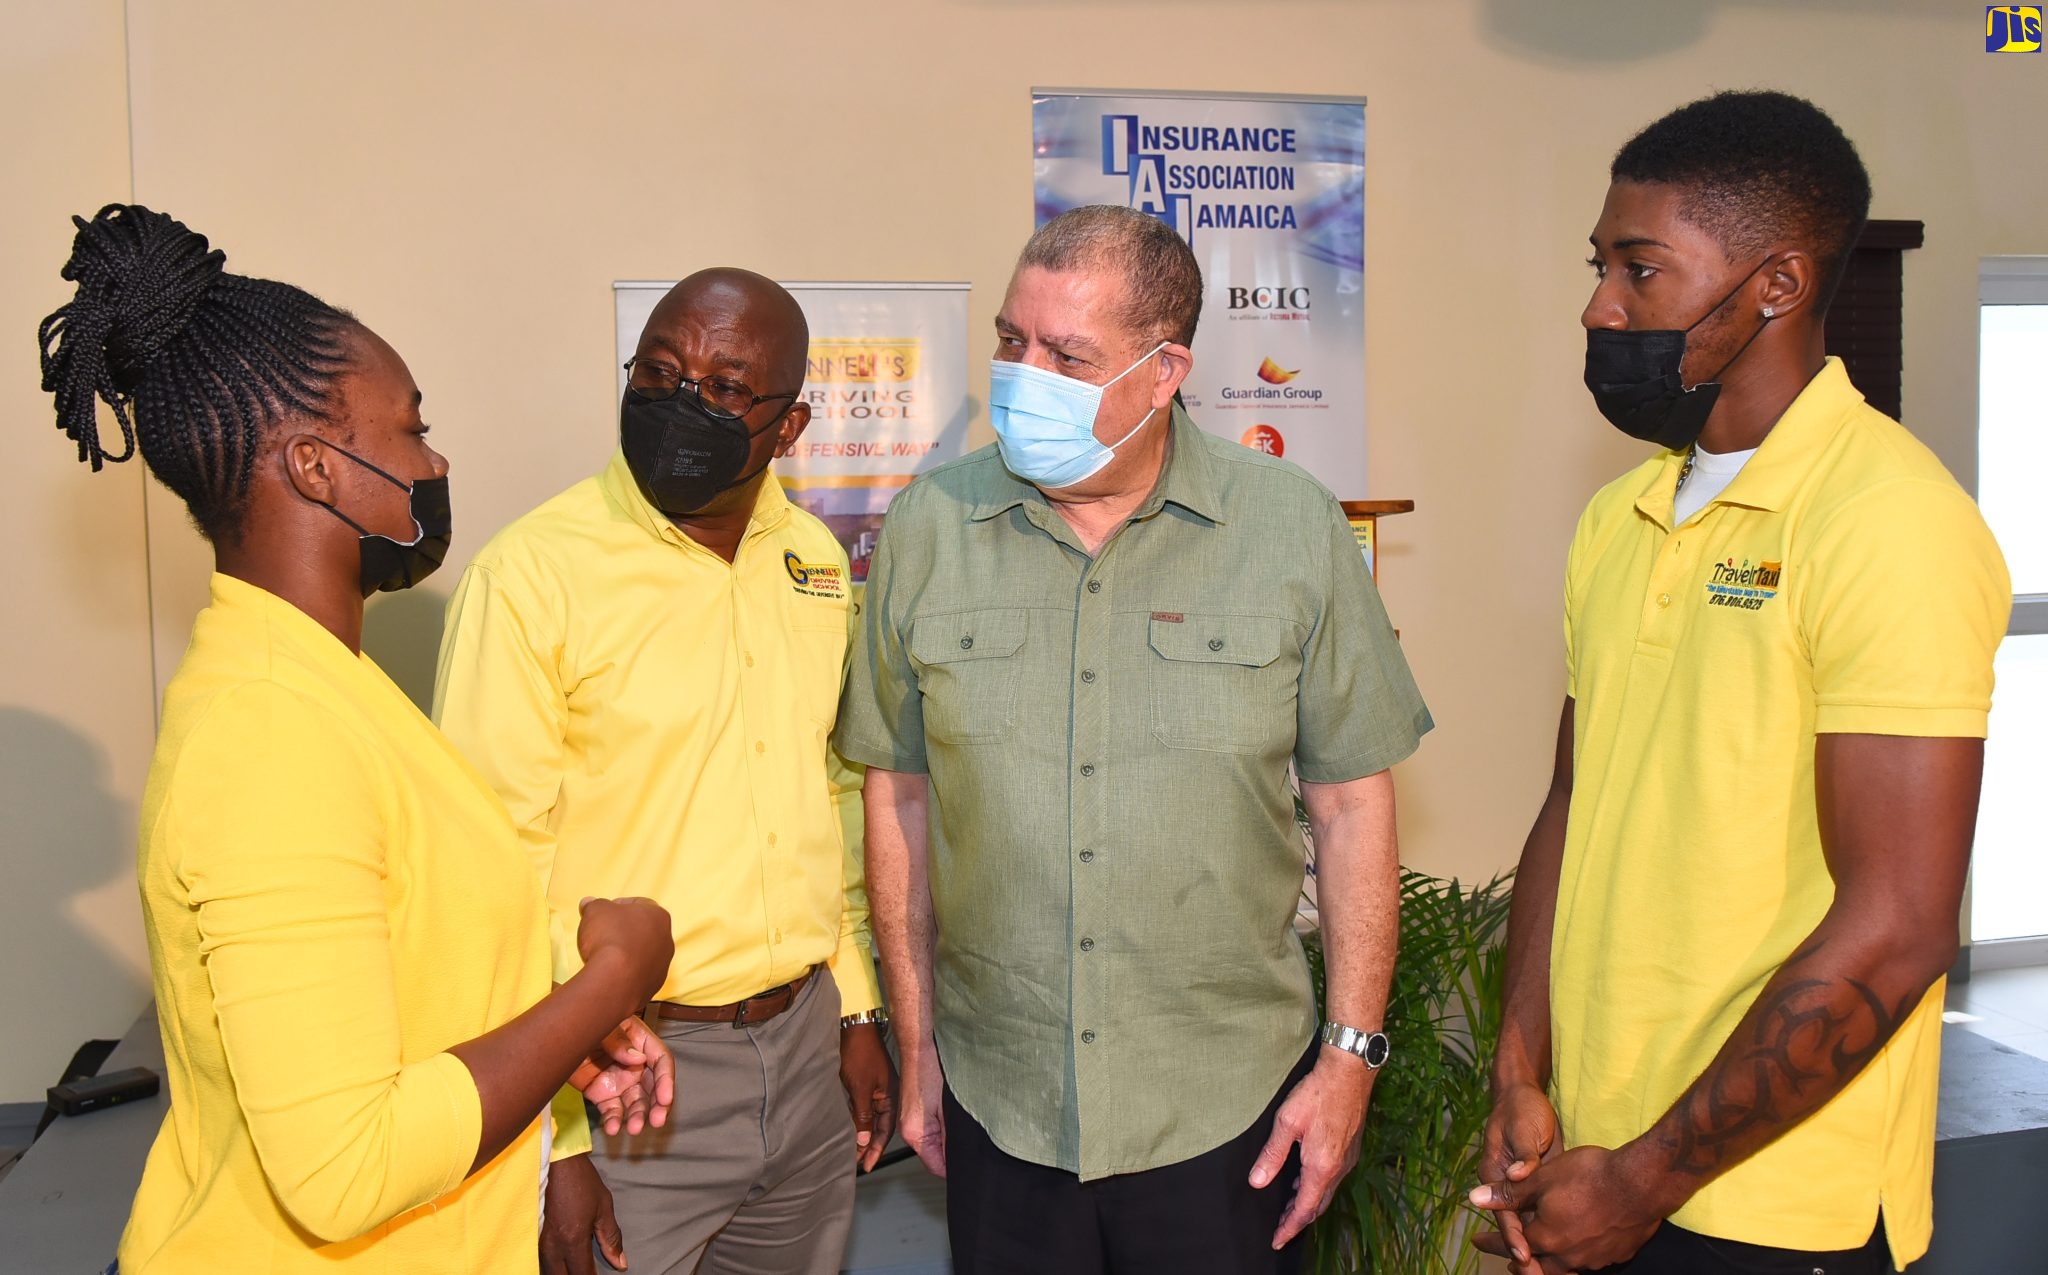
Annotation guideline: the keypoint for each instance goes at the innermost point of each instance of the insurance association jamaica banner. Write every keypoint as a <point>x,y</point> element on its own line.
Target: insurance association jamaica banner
<point>1270,193</point>
<point>887,384</point>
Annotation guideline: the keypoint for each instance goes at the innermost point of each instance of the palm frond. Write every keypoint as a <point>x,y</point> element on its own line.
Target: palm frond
<point>1402,1210</point>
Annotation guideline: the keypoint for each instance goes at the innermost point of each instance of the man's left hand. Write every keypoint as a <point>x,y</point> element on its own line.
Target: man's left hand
<point>1324,1113</point>
<point>870,1080</point>
<point>1587,1208</point>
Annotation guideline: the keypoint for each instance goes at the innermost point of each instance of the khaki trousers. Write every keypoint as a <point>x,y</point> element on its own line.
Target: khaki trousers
<point>753,1174</point>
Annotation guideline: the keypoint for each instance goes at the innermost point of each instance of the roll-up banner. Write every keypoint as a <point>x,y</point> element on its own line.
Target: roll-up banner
<point>1270,194</point>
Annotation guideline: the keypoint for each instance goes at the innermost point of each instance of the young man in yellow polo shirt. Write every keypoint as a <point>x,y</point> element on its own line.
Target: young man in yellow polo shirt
<point>1738,902</point>
<point>646,668</point>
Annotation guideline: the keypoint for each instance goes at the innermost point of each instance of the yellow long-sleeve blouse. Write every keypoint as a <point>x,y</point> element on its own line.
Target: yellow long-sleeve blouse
<point>333,898</point>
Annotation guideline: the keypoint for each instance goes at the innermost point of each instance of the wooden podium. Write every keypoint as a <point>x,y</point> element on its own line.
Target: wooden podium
<point>1364,516</point>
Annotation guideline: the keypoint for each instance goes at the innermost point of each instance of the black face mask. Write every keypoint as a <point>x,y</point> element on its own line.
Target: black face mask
<point>390,565</point>
<point>1636,383</point>
<point>681,455</point>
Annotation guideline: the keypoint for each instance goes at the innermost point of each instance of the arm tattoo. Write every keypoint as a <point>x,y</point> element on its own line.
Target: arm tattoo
<point>1799,1045</point>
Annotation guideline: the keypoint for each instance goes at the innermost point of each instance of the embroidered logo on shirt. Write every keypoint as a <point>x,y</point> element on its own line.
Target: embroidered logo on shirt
<point>816,580</point>
<point>1746,587</point>
<point>1169,617</point>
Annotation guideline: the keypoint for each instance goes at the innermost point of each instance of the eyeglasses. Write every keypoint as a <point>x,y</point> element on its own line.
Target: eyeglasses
<point>718,395</point>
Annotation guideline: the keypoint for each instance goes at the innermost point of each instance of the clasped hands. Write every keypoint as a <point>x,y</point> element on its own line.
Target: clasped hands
<point>1560,1212</point>
<point>630,1078</point>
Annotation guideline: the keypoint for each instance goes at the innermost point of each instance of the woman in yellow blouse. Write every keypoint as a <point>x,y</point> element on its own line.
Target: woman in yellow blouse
<point>348,947</point>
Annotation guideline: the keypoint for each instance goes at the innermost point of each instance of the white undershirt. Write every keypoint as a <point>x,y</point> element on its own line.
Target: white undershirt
<point>1711,474</point>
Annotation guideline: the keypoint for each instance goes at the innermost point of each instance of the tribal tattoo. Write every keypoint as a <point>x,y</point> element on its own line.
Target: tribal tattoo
<point>1798,1046</point>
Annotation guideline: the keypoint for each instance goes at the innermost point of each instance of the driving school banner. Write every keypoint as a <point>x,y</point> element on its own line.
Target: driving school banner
<point>1270,194</point>
<point>887,385</point>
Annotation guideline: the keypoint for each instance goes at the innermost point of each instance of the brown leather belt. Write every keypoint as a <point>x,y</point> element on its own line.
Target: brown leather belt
<point>758,1008</point>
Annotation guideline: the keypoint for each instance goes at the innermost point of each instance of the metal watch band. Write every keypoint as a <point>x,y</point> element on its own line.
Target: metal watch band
<point>1372,1047</point>
<point>879,1017</point>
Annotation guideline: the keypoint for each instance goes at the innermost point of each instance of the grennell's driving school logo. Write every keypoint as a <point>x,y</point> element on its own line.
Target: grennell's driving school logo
<point>1746,587</point>
<point>817,580</point>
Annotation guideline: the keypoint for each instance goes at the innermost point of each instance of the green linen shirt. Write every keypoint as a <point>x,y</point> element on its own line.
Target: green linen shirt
<point>1114,858</point>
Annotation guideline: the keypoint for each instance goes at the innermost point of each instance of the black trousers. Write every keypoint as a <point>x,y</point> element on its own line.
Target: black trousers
<point>1007,1216</point>
<point>1673,1250</point>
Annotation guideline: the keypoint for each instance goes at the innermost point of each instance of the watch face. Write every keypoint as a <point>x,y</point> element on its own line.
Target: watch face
<point>1377,1047</point>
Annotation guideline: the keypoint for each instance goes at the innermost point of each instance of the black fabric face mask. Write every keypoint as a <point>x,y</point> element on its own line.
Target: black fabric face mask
<point>681,455</point>
<point>390,565</point>
<point>1636,383</point>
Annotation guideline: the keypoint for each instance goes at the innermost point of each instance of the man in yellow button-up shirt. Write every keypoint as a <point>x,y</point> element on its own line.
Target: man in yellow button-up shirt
<point>647,669</point>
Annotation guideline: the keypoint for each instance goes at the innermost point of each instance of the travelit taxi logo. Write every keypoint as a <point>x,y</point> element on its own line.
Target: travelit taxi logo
<point>1203,176</point>
<point>2012,28</point>
<point>1746,587</point>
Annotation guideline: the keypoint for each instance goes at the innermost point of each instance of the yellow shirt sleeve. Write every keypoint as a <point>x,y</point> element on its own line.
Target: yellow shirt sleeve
<point>852,965</point>
<point>498,697</point>
<point>1903,612</point>
<point>278,831</point>
<point>1574,565</point>
<point>572,1125</point>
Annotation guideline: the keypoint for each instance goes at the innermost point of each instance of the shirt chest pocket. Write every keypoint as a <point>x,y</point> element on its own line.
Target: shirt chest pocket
<point>1225,683</point>
<point>817,661</point>
<point>969,664</point>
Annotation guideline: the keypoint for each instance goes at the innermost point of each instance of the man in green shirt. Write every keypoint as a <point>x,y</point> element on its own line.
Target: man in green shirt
<point>1088,656</point>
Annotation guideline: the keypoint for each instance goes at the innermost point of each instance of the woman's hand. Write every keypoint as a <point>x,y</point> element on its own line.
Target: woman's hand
<point>636,933</point>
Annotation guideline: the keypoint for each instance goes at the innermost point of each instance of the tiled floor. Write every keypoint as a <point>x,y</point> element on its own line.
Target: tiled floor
<point>2009,1006</point>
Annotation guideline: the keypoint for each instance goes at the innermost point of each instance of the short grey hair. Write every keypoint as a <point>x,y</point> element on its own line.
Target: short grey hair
<point>1162,282</point>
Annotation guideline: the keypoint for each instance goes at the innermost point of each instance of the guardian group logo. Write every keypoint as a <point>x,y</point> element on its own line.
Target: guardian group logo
<point>2012,28</point>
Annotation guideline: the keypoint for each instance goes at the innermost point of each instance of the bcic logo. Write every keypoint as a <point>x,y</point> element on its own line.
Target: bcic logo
<point>2012,28</point>
<point>1264,438</point>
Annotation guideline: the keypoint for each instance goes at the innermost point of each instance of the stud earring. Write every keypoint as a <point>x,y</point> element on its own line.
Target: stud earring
<point>1770,313</point>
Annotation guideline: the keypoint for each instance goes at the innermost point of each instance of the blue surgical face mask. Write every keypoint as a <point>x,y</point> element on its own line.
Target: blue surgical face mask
<point>1045,422</point>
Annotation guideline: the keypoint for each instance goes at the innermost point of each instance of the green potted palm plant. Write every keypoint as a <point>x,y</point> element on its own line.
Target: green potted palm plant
<point>1402,1210</point>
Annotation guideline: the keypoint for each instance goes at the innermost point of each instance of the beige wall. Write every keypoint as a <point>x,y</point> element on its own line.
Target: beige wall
<point>470,179</point>
<point>76,709</point>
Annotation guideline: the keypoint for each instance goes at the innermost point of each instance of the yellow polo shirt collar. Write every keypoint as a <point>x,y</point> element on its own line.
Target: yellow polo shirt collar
<point>1782,461</point>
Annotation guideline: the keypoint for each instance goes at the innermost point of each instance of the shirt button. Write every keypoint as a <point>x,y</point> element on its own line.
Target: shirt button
<point>750,660</point>
<point>1086,771</point>
<point>1663,599</point>
<point>1087,1038</point>
<point>760,745</point>
<point>1087,674</point>
<point>1215,644</point>
<point>967,644</point>
<point>1087,945</point>
<point>771,838</point>
<point>1087,856</point>
<point>1095,586</point>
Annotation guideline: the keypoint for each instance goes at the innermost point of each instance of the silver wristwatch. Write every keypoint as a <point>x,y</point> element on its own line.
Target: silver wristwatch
<point>1373,1047</point>
<point>879,1017</point>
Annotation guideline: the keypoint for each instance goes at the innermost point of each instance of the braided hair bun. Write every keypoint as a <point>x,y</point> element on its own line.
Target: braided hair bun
<point>196,363</point>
